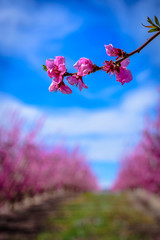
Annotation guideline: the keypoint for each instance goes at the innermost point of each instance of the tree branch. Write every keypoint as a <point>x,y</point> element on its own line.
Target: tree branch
<point>127,55</point>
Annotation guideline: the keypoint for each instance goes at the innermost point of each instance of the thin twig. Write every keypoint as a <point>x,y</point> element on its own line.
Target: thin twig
<point>127,55</point>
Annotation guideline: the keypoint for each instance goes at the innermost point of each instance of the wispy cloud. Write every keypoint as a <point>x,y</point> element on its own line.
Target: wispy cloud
<point>102,133</point>
<point>104,94</point>
<point>28,27</point>
<point>143,76</point>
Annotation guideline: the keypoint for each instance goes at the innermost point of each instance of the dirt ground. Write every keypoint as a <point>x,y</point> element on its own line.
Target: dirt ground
<point>26,223</point>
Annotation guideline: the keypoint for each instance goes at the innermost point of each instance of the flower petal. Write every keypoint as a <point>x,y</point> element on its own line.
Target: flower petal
<point>50,63</point>
<point>125,62</point>
<point>65,89</point>
<point>124,76</point>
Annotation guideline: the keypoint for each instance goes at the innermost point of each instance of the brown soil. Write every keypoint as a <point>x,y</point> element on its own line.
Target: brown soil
<point>26,223</point>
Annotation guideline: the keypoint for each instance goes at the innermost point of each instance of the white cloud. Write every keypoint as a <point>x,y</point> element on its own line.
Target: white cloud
<point>143,76</point>
<point>137,101</point>
<point>27,27</point>
<point>120,119</point>
<point>107,148</point>
<point>103,134</point>
<point>9,104</point>
<point>106,184</point>
<point>104,94</point>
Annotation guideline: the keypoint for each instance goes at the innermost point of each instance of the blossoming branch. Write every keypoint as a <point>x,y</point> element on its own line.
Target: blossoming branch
<point>57,71</point>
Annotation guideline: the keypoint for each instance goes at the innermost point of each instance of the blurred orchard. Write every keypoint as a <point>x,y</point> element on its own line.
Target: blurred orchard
<point>29,168</point>
<point>141,167</point>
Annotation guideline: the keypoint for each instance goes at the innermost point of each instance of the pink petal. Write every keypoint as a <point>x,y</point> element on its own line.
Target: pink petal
<point>53,87</point>
<point>110,50</point>
<point>81,84</point>
<point>84,66</point>
<point>76,65</point>
<point>59,60</point>
<point>72,80</point>
<point>125,62</point>
<point>65,89</point>
<point>124,76</point>
<point>50,63</point>
<point>50,73</point>
<point>85,86</point>
<point>58,78</point>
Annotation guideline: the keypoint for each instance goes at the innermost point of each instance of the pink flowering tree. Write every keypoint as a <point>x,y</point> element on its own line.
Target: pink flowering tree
<point>57,71</point>
<point>27,168</point>
<point>141,167</point>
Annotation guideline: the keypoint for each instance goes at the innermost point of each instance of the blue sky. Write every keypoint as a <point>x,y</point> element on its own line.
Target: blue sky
<point>106,119</point>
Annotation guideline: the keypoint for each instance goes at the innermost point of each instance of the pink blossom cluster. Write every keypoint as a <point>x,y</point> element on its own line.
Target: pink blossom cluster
<point>28,168</point>
<point>56,70</point>
<point>123,74</point>
<point>141,167</point>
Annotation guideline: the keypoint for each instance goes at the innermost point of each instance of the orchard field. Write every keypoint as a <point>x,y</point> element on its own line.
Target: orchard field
<point>51,193</point>
<point>77,79</point>
<point>86,216</point>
